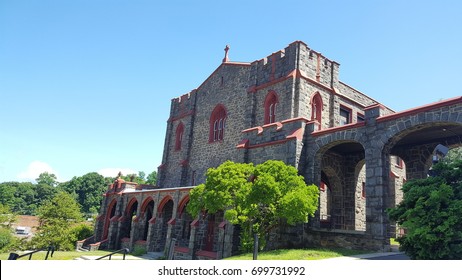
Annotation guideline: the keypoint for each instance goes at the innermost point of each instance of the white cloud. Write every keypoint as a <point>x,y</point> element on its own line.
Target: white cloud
<point>34,169</point>
<point>112,172</point>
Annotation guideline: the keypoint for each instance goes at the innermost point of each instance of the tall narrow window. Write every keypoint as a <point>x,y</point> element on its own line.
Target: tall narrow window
<point>316,109</point>
<point>217,124</point>
<point>270,107</point>
<point>179,136</point>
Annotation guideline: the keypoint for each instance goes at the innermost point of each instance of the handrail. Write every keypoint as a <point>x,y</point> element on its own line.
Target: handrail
<point>124,250</point>
<point>15,256</point>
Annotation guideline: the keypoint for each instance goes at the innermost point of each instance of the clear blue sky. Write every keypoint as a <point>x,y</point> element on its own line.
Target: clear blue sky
<point>85,85</point>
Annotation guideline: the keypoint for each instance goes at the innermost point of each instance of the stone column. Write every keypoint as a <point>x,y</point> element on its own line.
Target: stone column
<point>377,182</point>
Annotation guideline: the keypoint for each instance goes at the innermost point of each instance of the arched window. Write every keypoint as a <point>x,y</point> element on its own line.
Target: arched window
<point>316,109</point>
<point>217,124</point>
<point>179,136</point>
<point>270,107</point>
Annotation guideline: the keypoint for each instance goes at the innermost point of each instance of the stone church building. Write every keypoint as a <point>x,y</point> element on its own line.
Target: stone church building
<point>288,106</point>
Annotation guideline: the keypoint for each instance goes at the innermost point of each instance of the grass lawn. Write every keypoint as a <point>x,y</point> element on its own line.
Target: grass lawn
<point>58,255</point>
<point>283,254</point>
<point>300,254</point>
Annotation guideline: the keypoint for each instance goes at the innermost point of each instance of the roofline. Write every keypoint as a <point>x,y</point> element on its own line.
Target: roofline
<point>420,109</point>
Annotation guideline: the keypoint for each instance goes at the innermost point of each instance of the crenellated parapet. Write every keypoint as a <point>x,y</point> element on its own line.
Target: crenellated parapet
<point>183,106</point>
<point>279,141</point>
<point>299,57</point>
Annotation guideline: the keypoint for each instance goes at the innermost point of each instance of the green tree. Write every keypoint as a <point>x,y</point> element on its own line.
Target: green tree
<point>431,213</point>
<point>136,178</point>
<point>24,197</point>
<point>47,179</point>
<point>454,155</point>
<point>258,198</point>
<point>152,178</point>
<point>7,197</point>
<point>56,218</point>
<point>20,197</point>
<point>87,190</point>
<point>7,218</point>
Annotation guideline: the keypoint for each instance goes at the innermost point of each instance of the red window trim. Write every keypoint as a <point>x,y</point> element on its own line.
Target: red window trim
<point>179,136</point>
<point>271,102</point>
<point>317,106</point>
<point>217,124</point>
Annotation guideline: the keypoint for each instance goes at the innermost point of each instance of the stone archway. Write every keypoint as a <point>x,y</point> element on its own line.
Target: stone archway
<point>342,162</point>
<point>183,224</point>
<point>129,217</point>
<point>164,215</point>
<point>147,212</point>
<point>109,214</point>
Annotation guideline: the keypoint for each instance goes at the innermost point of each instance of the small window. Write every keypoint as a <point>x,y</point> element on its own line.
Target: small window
<point>316,109</point>
<point>359,117</point>
<point>345,116</point>
<point>270,107</point>
<point>179,136</point>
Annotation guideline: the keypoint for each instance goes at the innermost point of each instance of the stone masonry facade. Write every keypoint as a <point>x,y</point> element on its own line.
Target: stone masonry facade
<point>288,106</point>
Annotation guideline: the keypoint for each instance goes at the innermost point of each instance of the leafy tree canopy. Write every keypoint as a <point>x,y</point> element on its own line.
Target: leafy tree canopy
<point>431,213</point>
<point>46,178</point>
<point>7,218</point>
<point>152,178</point>
<point>256,197</point>
<point>56,218</point>
<point>87,190</point>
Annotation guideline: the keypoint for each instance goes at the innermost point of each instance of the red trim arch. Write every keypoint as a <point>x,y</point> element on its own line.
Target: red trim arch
<point>179,136</point>
<point>107,221</point>
<point>316,108</point>
<point>271,102</point>
<point>163,202</point>
<point>129,205</point>
<point>145,204</point>
<point>182,205</point>
<point>217,123</point>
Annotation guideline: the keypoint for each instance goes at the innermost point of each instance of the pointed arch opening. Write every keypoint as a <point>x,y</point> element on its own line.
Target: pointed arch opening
<point>110,213</point>
<point>179,136</point>
<point>271,102</point>
<point>217,124</point>
<point>316,109</point>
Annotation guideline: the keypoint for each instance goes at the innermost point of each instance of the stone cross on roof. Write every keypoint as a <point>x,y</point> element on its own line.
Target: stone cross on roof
<point>226,59</point>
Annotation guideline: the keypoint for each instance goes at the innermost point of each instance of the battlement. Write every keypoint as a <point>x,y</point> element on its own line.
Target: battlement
<point>273,134</point>
<point>183,105</point>
<point>296,56</point>
<point>185,97</point>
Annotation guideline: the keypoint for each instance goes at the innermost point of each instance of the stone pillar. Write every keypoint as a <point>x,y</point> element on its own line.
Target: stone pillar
<point>134,232</point>
<point>169,238</point>
<point>221,238</point>
<point>113,232</point>
<point>193,246</point>
<point>150,239</point>
<point>377,181</point>
<point>228,241</point>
